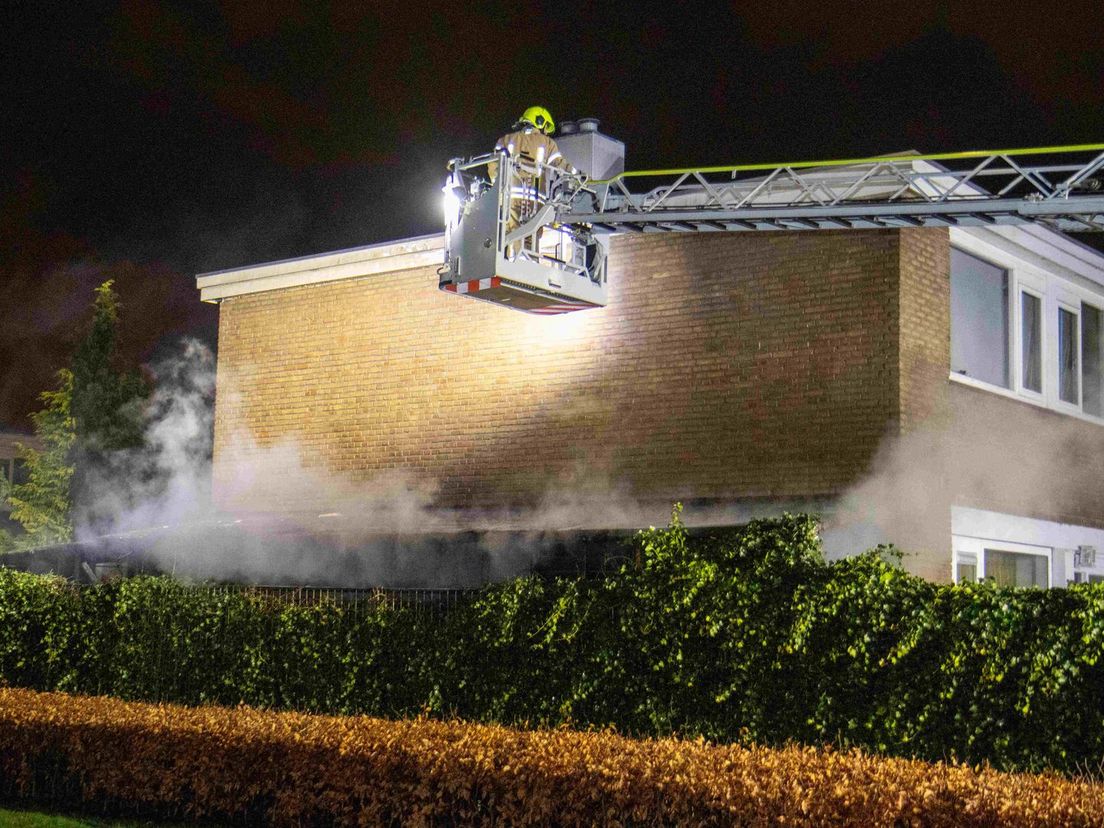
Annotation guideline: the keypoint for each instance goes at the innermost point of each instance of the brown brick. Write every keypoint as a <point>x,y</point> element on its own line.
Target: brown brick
<point>725,365</point>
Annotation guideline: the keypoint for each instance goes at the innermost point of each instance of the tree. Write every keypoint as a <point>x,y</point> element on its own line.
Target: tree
<point>107,399</point>
<point>107,407</point>
<point>41,504</point>
<point>89,425</point>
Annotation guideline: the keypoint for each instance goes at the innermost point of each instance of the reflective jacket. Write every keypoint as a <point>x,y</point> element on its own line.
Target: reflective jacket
<point>533,147</point>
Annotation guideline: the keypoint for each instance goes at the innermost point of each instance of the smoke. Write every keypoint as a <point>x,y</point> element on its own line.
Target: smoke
<point>320,527</point>
<point>167,480</point>
<point>984,451</point>
<point>323,526</point>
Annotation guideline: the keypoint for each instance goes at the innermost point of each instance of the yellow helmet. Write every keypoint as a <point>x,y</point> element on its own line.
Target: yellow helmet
<point>539,118</point>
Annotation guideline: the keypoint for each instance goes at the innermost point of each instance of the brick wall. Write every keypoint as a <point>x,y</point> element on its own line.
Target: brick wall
<point>923,326</point>
<point>726,365</point>
<point>924,361</point>
<point>11,440</point>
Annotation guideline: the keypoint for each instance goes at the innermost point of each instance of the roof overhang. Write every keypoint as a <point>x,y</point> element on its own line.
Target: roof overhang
<point>388,257</point>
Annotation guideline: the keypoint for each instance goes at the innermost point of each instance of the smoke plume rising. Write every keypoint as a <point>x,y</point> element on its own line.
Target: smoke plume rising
<point>386,531</point>
<point>983,451</point>
<point>389,530</point>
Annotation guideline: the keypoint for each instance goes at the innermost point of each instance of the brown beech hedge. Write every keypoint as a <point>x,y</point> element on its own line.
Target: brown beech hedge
<point>300,769</point>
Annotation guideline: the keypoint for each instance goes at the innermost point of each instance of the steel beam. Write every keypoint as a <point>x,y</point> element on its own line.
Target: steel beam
<point>1074,213</point>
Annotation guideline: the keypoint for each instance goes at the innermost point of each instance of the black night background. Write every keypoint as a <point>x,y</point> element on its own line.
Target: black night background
<point>148,141</point>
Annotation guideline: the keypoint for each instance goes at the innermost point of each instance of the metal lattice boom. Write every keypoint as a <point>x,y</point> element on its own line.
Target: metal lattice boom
<point>1057,186</point>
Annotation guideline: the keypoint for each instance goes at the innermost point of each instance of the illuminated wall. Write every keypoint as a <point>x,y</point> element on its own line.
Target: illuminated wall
<point>726,365</point>
<point>757,367</point>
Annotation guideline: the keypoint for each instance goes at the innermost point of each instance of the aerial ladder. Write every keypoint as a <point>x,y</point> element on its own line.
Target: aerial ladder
<point>537,239</point>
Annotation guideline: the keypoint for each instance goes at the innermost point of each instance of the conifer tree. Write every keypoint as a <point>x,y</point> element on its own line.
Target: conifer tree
<point>107,405</point>
<point>87,427</point>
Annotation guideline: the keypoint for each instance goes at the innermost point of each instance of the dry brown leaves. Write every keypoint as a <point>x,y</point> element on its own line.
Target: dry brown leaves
<point>304,769</point>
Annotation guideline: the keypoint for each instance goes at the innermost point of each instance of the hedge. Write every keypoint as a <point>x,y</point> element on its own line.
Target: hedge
<point>741,636</point>
<point>292,769</point>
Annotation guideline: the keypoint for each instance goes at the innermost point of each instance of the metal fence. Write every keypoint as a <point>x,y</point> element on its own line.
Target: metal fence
<point>430,601</point>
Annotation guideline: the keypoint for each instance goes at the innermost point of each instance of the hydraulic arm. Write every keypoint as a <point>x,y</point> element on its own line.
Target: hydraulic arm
<point>500,230</point>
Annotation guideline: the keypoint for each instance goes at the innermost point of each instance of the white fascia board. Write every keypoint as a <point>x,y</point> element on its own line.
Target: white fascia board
<point>388,257</point>
<point>1033,241</point>
<point>1044,247</point>
<point>1000,527</point>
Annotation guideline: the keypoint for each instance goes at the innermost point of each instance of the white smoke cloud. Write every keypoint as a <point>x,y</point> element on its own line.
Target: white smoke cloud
<point>324,527</point>
<point>984,451</point>
<point>385,531</point>
<point>168,480</point>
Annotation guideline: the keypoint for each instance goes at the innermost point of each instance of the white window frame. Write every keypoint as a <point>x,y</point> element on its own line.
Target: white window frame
<point>1098,303</point>
<point>1064,302</point>
<point>972,550</point>
<point>1030,287</point>
<point>1055,291</point>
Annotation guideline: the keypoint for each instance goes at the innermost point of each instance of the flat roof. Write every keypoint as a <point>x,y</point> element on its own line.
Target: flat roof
<point>353,262</point>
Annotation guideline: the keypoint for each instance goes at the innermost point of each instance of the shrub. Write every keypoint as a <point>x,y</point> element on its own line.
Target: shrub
<point>295,769</point>
<point>744,635</point>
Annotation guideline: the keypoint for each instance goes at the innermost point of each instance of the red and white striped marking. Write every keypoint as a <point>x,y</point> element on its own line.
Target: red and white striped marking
<point>474,285</point>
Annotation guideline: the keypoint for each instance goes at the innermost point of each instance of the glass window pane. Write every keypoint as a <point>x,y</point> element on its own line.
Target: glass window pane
<point>1092,361</point>
<point>1068,358</point>
<point>1016,569</point>
<point>979,319</point>
<point>1032,329</point>
<point>967,573</point>
<point>20,474</point>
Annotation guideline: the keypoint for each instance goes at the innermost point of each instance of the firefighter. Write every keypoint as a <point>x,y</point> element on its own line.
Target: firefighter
<point>531,140</point>
<point>532,143</point>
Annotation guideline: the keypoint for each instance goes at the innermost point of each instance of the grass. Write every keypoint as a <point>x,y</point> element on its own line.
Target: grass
<point>40,819</point>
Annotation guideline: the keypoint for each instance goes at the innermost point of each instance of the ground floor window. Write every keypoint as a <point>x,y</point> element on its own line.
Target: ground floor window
<point>1003,564</point>
<point>1006,568</point>
<point>966,568</point>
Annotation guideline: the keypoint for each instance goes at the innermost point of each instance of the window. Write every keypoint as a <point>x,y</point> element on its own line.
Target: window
<point>1001,562</point>
<point>1092,361</point>
<point>965,568</point>
<point>1031,338</point>
<point>1024,332</point>
<point>1081,357</point>
<point>979,319</point>
<point>1069,375</point>
<point>1016,569</point>
<point>19,473</point>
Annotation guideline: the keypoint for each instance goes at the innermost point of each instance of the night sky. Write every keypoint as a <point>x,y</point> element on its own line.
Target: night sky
<point>148,141</point>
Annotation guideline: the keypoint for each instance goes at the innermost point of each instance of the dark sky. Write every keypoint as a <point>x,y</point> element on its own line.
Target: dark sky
<point>150,140</point>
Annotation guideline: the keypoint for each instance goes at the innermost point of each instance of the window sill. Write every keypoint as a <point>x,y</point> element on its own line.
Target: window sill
<point>1031,399</point>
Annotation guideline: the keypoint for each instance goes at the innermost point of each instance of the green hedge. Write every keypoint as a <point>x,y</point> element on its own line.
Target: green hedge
<point>742,635</point>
